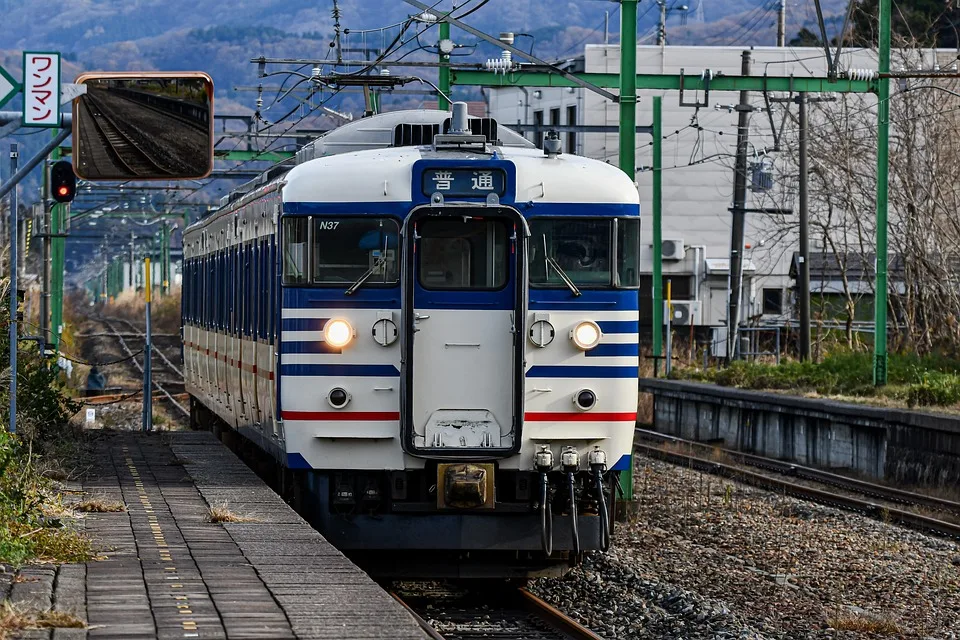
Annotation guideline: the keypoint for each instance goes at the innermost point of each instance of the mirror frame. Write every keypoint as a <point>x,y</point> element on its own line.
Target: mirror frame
<point>142,75</point>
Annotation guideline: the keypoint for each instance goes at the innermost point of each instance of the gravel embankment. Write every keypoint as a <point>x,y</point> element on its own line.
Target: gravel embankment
<point>707,558</point>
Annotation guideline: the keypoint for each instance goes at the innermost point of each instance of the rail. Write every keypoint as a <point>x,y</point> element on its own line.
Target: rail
<point>129,352</point>
<point>510,615</point>
<point>790,487</point>
<point>155,350</point>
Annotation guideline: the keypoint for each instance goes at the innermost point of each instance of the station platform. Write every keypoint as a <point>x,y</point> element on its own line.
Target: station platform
<point>168,572</point>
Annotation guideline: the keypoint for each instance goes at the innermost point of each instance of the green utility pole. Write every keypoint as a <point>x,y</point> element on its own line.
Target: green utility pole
<point>54,241</point>
<point>657,236</point>
<point>628,135</point>
<point>442,103</point>
<point>628,88</point>
<point>883,148</point>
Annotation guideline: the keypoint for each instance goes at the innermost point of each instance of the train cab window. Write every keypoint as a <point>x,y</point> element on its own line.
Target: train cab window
<point>295,245</point>
<point>463,253</point>
<point>584,251</point>
<point>346,250</point>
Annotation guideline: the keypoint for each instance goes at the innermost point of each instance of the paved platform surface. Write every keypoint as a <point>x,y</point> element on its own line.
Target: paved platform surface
<point>167,572</point>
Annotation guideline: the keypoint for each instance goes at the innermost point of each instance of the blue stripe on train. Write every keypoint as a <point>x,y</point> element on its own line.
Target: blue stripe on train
<point>602,349</point>
<point>308,346</point>
<point>577,371</point>
<point>304,324</point>
<point>334,370</point>
<point>619,326</point>
<point>589,300</point>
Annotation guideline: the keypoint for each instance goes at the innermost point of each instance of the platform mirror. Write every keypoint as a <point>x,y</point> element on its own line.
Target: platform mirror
<point>143,126</point>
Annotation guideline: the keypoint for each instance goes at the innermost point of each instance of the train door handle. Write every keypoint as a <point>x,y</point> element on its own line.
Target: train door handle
<point>418,316</point>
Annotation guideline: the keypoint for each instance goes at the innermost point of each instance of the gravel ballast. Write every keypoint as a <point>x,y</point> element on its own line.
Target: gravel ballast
<point>704,557</point>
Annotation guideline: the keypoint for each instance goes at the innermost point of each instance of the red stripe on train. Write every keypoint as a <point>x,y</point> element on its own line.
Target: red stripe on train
<point>580,416</point>
<point>341,415</point>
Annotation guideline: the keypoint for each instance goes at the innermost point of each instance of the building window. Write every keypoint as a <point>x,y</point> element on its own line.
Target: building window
<point>772,302</point>
<point>571,135</point>
<point>538,128</point>
<point>554,117</point>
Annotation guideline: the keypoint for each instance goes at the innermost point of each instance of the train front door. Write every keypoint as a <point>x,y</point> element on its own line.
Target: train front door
<point>464,353</point>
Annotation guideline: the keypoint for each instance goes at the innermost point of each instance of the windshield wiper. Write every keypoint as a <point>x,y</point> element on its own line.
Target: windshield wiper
<point>378,263</point>
<point>563,276</point>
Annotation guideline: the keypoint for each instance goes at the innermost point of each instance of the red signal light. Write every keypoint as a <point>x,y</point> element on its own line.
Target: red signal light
<point>63,181</point>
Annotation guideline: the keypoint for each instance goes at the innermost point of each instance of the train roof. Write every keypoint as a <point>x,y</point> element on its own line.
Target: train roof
<point>379,150</point>
<point>385,175</point>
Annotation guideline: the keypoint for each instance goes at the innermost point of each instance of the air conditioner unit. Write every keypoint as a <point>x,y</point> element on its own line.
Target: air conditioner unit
<point>685,312</point>
<point>672,249</point>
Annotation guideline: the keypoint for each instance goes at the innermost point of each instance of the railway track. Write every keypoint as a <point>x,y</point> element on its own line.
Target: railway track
<point>158,384</point>
<point>123,149</point>
<point>505,614</point>
<point>703,457</point>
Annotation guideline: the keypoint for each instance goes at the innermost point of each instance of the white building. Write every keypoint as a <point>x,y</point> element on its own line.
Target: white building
<point>698,161</point>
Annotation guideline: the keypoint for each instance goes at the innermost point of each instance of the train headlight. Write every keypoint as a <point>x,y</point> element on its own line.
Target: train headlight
<point>338,333</point>
<point>586,335</point>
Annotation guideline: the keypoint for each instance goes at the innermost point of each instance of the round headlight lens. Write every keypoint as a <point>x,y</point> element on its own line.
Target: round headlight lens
<point>586,335</point>
<point>338,333</point>
<point>338,398</point>
<point>585,399</point>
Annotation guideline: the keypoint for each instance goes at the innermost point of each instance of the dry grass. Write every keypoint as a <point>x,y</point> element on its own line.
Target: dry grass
<point>221,513</point>
<point>863,623</point>
<point>14,620</point>
<point>99,505</point>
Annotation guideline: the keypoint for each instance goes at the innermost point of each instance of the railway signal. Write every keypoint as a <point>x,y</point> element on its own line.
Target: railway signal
<point>63,181</point>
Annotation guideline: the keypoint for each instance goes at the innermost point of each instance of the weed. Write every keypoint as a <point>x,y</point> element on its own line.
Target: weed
<point>14,620</point>
<point>863,623</point>
<point>99,505</point>
<point>930,380</point>
<point>220,513</point>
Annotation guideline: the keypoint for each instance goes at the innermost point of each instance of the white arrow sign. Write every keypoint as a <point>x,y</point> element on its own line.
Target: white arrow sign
<point>8,87</point>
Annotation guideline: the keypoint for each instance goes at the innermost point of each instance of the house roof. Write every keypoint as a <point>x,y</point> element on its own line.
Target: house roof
<point>828,267</point>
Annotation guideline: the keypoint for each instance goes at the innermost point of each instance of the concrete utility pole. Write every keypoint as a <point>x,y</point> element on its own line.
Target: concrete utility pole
<point>662,27</point>
<point>14,219</point>
<point>782,24</point>
<point>739,216</point>
<point>628,88</point>
<point>803,266</point>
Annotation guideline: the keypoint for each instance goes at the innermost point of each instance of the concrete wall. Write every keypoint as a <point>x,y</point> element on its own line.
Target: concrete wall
<point>902,446</point>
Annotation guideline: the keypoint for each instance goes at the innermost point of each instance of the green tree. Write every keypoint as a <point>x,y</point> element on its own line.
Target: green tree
<point>927,23</point>
<point>805,38</point>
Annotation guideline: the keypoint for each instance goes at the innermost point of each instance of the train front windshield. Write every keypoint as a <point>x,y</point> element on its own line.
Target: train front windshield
<point>591,252</point>
<point>338,251</point>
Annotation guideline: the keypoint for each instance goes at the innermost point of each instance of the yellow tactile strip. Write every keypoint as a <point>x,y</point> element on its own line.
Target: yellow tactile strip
<point>189,625</point>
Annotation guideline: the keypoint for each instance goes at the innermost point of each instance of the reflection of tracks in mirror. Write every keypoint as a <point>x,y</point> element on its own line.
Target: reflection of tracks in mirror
<point>123,150</point>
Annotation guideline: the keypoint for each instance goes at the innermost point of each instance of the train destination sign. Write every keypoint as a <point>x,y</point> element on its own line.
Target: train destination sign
<point>144,126</point>
<point>464,183</point>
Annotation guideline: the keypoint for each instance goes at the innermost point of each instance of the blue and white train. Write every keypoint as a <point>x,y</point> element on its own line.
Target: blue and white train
<point>432,326</point>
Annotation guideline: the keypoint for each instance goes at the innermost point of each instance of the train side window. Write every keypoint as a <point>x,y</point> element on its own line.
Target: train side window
<point>262,292</point>
<point>463,253</point>
<point>295,245</point>
<point>628,253</point>
<point>234,284</point>
<point>248,299</point>
<point>272,288</point>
